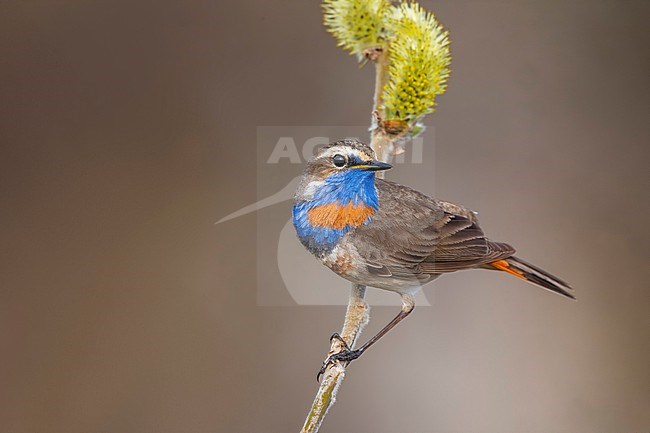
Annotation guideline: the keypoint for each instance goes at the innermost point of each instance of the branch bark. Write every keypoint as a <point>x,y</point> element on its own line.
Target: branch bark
<point>356,317</point>
<point>358,311</point>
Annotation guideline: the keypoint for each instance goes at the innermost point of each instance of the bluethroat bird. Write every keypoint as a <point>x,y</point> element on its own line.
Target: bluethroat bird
<point>381,234</point>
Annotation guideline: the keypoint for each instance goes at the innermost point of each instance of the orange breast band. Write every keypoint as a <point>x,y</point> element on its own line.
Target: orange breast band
<point>335,216</point>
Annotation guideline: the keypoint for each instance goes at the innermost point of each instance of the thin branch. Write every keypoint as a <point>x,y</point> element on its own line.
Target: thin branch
<point>356,317</point>
<point>379,56</point>
<point>380,140</point>
<point>358,312</point>
<point>404,93</point>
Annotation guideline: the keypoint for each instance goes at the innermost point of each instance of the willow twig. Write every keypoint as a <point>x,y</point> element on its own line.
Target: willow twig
<point>358,312</point>
<point>356,317</point>
<point>406,84</point>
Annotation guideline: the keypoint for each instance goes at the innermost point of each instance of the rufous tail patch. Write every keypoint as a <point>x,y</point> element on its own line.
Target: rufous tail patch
<point>504,266</point>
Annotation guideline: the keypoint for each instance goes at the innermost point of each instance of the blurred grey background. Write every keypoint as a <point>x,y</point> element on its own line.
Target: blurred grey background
<point>128,128</point>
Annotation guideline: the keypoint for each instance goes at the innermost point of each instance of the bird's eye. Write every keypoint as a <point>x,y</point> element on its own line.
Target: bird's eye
<point>339,160</point>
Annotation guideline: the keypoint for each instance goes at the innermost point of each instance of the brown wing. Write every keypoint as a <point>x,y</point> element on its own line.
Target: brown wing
<point>466,248</point>
<point>415,236</point>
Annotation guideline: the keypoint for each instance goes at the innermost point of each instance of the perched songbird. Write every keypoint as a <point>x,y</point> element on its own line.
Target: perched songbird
<point>380,234</point>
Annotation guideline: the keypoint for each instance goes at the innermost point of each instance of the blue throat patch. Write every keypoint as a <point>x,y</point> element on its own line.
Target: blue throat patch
<point>350,186</point>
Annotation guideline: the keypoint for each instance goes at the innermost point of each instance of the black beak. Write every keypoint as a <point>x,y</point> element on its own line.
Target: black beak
<point>372,166</point>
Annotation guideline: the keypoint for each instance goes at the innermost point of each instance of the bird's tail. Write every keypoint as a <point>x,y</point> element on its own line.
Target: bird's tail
<point>533,274</point>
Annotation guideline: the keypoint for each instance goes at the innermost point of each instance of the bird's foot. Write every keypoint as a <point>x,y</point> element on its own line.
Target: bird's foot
<point>346,356</point>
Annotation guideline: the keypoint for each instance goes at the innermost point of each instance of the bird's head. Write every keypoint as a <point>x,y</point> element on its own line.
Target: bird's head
<point>341,171</point>
<point>344,158</point>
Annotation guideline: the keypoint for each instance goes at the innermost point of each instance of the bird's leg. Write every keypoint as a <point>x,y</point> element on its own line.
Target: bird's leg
<point>348,355</point>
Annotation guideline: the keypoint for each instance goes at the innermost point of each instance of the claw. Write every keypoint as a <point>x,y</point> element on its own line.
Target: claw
<point>337,336</point>
<point>330,359</point>
<point>321,371</point>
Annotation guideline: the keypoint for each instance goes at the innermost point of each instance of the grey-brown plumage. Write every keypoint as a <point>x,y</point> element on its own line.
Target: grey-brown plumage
<point>415,236</point>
